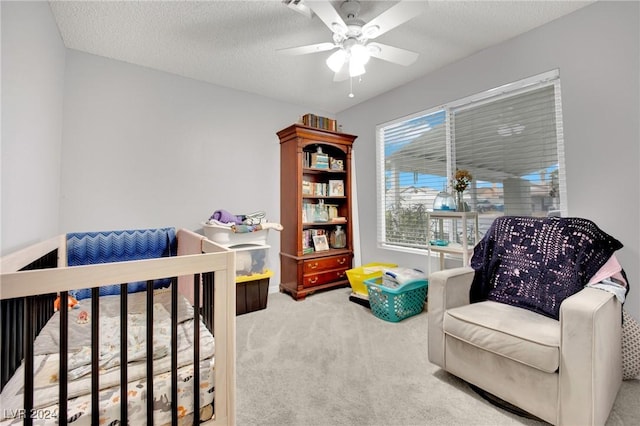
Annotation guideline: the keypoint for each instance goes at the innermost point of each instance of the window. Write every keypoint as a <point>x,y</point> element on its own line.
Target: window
<point>508,138</point>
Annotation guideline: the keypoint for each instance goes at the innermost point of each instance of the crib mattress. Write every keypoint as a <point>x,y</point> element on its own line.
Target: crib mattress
<point>46,364</point>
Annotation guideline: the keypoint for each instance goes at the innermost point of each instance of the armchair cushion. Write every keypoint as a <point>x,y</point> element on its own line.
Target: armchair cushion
<point>536,263</point>
<point>515,333</point>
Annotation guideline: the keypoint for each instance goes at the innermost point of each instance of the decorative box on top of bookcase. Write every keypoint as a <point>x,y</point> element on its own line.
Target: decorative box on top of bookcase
<point>315,197</point>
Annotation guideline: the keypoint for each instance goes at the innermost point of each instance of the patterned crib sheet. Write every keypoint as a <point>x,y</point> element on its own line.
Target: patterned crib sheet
<point>46,364</point>
<point>79,409</point>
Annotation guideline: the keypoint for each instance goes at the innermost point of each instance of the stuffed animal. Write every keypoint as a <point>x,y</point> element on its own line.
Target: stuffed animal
<point>71,301</point>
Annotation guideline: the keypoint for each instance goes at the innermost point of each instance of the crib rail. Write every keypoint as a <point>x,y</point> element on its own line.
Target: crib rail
<point>218,310</point>
<point>26,283</point>
<point>43,255</point>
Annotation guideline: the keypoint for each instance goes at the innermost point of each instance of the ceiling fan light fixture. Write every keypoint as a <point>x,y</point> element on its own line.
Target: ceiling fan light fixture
<point>337,60</point>
<point>356,68</point>
<point>360,54</point>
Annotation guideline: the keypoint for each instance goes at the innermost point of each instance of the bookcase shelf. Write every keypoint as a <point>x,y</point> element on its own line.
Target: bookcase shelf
<point>322,171</point>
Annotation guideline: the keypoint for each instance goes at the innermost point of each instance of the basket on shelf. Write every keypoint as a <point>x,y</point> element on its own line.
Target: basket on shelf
<point>396,304</point>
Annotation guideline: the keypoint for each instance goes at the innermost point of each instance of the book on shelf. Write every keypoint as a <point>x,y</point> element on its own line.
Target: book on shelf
<point>307,242</point>
<point>314,239</point>
<point>307,187</point>
<point>319,160</point>
<point>314,212</point>
<point>319,189</point>
<point>307,212</point>
<point>320,122</point>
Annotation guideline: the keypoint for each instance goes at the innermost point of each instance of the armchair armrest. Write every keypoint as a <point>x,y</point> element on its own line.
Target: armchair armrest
<point>447,289</point>
<point>591,356</point>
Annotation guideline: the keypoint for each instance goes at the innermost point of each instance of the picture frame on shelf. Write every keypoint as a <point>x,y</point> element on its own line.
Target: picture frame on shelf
<point>320,243</point>
<point>336,188</point>
<point>336,164</point>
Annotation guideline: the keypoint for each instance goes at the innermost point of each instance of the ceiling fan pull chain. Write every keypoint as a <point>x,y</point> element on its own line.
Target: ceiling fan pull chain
<point>351,95</point>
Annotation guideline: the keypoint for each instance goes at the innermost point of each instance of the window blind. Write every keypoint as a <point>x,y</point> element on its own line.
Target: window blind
<point>510,139</point>
<point>414,170</point>
<point>510,146</point>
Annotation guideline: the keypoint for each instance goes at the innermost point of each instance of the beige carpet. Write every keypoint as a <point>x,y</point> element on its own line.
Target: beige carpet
<point>329,361</point>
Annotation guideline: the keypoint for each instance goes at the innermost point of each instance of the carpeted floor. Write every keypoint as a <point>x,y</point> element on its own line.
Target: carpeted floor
<point>329,361</point>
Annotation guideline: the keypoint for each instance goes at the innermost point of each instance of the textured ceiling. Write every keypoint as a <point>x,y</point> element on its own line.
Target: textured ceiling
<point>234,43</point>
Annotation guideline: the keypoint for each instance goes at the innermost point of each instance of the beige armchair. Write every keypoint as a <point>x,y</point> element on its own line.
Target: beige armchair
<point>565,372</point>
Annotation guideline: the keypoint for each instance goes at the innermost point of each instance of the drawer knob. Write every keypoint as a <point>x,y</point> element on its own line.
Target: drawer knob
<point>313,280</point>
<point>342,260</point>
<point>313,265</point>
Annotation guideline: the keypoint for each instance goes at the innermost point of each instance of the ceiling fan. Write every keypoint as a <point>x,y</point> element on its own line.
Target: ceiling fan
<point>351,36</point>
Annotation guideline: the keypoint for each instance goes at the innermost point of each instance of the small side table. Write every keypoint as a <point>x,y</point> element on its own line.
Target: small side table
<point>448,233</point>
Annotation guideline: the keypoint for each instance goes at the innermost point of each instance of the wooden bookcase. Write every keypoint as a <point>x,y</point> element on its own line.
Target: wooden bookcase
<point>303,272</point>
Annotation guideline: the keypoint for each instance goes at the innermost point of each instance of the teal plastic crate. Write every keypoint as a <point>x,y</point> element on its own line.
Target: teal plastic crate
<point>396,304</point>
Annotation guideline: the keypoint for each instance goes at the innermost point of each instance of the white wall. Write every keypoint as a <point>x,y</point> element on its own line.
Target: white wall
<point>597,52</point>
<point>33,58</point>
<point>144,148</point>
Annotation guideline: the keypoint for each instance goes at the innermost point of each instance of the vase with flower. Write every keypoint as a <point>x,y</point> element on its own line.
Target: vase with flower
<point>461,180</point>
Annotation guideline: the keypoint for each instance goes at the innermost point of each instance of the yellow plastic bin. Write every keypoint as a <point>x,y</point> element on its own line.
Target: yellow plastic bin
<point>357,276</point>
<point>252,292</point>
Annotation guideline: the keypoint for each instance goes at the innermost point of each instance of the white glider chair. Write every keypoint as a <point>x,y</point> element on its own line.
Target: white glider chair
<point>565,370</point>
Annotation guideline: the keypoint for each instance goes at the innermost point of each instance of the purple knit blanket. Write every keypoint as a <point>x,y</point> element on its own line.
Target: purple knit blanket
<point>536,263</point>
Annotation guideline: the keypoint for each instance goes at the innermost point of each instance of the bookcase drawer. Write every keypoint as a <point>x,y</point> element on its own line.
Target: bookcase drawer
<point>326,263</point>
<point>313,280</point>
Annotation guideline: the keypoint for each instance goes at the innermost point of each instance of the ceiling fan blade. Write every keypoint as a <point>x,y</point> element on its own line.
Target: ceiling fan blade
<point>311,48</point>
<point>392,54</point>
<point>329,15</point>
<point>392,17</point>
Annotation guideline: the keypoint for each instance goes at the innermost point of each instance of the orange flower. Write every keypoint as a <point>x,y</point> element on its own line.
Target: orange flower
<point>461,180</point>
